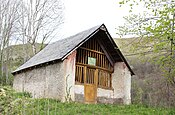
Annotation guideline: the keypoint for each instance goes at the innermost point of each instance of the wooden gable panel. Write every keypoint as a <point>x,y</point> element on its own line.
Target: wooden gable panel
<point>92,48</point>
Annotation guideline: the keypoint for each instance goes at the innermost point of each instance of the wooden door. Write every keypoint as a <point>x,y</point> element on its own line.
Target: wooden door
<point>90,85</point>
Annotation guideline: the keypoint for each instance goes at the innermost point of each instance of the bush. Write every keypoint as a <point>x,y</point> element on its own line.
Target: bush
<point>8,95</point>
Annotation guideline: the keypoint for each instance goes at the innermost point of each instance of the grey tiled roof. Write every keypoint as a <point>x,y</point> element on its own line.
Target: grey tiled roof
<point>58,50</point>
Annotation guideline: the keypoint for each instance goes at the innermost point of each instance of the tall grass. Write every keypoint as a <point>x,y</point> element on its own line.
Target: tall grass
<point>13,103</point>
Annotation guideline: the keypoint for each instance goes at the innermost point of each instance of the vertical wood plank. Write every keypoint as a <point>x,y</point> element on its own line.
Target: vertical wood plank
<point>86,57</point>
<point>96,77</point>
<point>79,74</point>
<point>85,68</point>
<point>110,81</point>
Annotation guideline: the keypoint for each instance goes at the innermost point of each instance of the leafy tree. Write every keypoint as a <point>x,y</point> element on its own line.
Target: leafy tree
<point>154,29</point>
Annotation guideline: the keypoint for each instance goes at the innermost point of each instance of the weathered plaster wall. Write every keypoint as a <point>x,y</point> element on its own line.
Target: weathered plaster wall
<point>105,93</point>
<point>105,96</point>
<point>18,83</point>
<point>55,81</point>
<point>69,65</point>
<point>121,82</point>
<point>79,89</point>
<point>79,93</point>
<point>127,97</point>
<point>45,81</point>
<point>49,81</point>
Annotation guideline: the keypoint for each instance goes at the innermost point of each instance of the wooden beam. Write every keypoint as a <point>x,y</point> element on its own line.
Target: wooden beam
<point>106,53</point>
<point>92,50</point>
<point>95,67</point>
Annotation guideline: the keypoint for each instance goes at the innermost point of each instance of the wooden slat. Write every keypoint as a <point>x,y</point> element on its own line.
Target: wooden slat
<point>85,68</point>
<point>91,50</point>
<point>96,78</point>
<point>78,74</point>
<point>96,67</point>
<point>110,82</point>
<point>90,75</point>
<point>104,79</point>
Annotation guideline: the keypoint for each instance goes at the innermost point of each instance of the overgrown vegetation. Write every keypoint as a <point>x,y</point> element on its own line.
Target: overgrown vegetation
<point>14,103</point>
<point>154,29</point>
<point>149,86</point>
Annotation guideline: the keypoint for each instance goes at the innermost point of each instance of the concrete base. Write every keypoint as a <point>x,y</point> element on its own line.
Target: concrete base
<point>80,98</point>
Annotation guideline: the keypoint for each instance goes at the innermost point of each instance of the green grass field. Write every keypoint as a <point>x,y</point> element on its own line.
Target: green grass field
<point>13,103</point>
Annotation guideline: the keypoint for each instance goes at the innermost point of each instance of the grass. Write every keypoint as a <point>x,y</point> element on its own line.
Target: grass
<point>13,103</point>
<point>52,107</point>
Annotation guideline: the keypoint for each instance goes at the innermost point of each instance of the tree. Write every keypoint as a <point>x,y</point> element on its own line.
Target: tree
<point>8,17</point>
<point>155,28</point>
<point>27,21</point>
<point>39,21</point>
<point>155,32</point>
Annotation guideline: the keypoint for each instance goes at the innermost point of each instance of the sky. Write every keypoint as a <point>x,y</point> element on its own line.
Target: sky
<point>83,14</point>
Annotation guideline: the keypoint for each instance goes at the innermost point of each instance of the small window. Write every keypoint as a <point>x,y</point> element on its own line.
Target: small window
<point>92,61</point>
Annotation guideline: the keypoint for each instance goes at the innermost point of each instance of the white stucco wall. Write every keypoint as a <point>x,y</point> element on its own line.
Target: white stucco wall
<point>79,89</point>
<point>69,74</point>
<point>18,83</point>
<point>127,95</point>
<point>47,81</point>
<point>105,93</point>
<point>121,82</point>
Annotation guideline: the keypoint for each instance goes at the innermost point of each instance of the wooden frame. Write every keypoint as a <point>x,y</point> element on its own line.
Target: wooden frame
<point>93,49</point>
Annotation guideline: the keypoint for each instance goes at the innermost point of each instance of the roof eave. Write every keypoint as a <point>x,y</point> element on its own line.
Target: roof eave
<point>35,66</point>
<point>119,52</point>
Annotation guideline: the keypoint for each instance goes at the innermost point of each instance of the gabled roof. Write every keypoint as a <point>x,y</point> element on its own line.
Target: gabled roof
<point>61,49</point>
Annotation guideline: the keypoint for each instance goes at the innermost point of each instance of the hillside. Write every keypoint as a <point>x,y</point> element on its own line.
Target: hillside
<point>149,86</point>
<point>20,53</point>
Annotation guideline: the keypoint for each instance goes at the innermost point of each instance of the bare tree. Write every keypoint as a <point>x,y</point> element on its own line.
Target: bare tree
<point>39,20</point>
<point>30,21</point>
<point>8,16</point>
